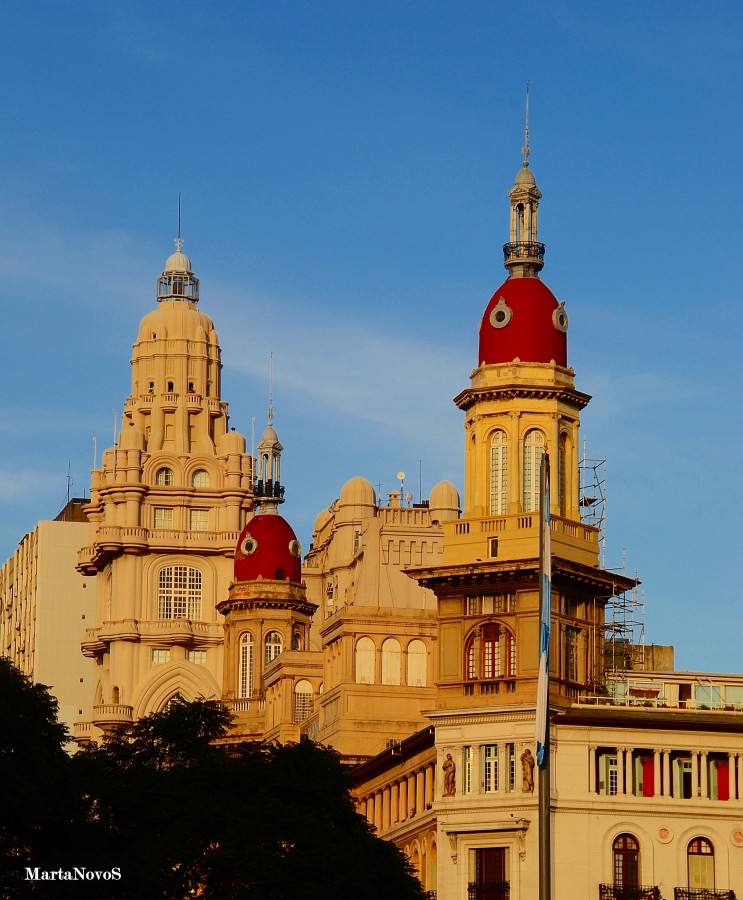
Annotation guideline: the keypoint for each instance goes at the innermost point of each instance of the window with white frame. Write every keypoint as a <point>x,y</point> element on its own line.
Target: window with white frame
<point>700,857</point>
<point>510,773</point>
<point>391,661</point>
<point>489,768</point>
<point>163,517</point>
<point>608,772</point>
<point>303,694</point>
<point>164,477</point>
<point>198,657</point>
<point>246,665</point>
<point>417,676</point>
<point>200,479</point>
<point>498,474</point>
<point>199,520</point>
<point>626,852</point>
<point>179,593</point>
<point>160,656</point>
<point>466,770</point>
<point>533,453</point>
<point>365,661</point>
<point>273,645</point>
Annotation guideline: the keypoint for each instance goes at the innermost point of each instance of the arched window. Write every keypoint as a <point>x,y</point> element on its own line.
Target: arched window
<point>391,661</point>
<point>274,646</point>
<point>164,477</point>
<point>179,593</point>
<point>200,479</point>
<point>297,640</point>
<point>416,664</point>
<point>246,664</point>
<point>562,466</point>
<point>365,661</point>
<point>302,701</point>
<point>626,852</point>
<point>498,474</point>
<point>533,453</point>
<point>701,864</point>
<point>491,653</point>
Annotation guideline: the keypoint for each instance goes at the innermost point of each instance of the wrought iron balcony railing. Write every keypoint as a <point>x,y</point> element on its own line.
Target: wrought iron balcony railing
<point>619,892</point>
<point>702,894</point>
<point>489,890</point>
<point>523,250</point>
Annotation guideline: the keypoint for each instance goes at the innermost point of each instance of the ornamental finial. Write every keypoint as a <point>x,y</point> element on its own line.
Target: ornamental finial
<point>525,148</point>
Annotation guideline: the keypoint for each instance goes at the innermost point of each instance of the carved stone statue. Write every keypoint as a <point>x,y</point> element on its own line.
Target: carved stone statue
<point>527,772</point>
<point>450,771</point>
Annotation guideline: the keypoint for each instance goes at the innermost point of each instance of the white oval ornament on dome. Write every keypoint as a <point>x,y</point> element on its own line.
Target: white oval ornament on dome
<point>249,545</point>
<point>560,318</point>
<point>501,314</point>
<point>295,548</point>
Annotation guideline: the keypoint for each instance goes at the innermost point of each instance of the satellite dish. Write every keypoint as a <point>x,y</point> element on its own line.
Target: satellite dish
<point>401,475</point>
<point>408,496</point>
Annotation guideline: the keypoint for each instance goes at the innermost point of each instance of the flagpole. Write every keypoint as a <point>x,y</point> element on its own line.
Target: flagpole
<point>542,714</point>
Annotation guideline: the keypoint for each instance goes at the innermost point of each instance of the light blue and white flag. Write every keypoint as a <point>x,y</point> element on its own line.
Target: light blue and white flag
<point>545,612</point>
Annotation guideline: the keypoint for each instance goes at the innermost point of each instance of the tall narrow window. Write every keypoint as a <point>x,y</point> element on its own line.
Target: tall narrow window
<point>491,652</point>
<point>498,474</point>
<point>391,661</point>
<point>302,701</point>
<point>365,661</point>
<point>571,653</point>
<point>466,770</point>
<point>273,646</point>
<point>471,659</point>
<point>247,660</point>
<point>489,768</point>
<point>608,772</point>
<point>533,453</point>
<point>179,593</point>
<point>626,852</point>
<point>416,675</point>
<point>701,864</point>
<point>562,483</point>
<point>488,873</point>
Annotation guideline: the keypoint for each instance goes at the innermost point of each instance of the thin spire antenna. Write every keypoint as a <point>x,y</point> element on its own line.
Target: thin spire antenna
<point>179,240</point>
<point>270,389</point>
<point>525,148</point>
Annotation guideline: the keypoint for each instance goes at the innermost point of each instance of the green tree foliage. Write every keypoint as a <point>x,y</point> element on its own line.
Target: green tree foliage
<point>184,813</point>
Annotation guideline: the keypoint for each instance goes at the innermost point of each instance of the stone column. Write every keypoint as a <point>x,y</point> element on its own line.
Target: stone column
<point>403,810</point>
<point>731,775</point>
<point>428,776</point>
<point>395,803</point>
<point>666,773</point>
<point>419,792</point>
<point>695,773</point>
<point>591,770</point>
<point>656,772</point>
<point>385,808</point>
<point>704,771</point>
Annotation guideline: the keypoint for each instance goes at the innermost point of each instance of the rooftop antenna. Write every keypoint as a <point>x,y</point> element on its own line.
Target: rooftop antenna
<point>178,240</point>
<point>525,148</point>
<point>69,480</point>
<point>270,389</point>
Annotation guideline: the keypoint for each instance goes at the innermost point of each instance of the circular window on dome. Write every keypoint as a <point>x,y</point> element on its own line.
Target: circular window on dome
<point>560,318</point>
<point>501,313</point>
<point>249,545</point>
<point>295,548</point>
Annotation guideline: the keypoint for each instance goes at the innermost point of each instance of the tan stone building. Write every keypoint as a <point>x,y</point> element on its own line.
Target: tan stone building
<point>166,509</point>
<point>646,794</point>
<point>44,607</point>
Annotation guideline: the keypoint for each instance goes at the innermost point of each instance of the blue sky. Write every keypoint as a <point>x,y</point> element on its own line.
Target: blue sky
<point>344,169</point>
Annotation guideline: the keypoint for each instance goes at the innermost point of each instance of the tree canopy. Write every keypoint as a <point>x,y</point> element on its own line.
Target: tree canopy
<point>178,811</point>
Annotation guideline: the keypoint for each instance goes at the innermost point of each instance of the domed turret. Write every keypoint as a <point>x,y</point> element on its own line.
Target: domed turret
<point>177,280</point>
<point>444,502</point>
<point>268,548</point>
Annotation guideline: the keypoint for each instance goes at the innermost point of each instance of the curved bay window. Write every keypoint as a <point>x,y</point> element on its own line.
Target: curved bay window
<point>626,853</point>
<point>273,646</point>
<point>490,653</point>
<point>246,665</point>
<point>498,474</point>
<point>533,453</point>
<point>179,593</point>
<point>303,694</point>
<point>700,856</point>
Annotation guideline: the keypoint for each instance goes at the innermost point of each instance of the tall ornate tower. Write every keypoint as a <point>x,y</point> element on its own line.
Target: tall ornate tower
<point>267,616</point>
<point>167,506</point>
<point>521,404</point>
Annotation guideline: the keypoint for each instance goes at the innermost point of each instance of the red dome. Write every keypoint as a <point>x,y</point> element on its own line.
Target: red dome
<point>524,320</point>
<point>267,547</point>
